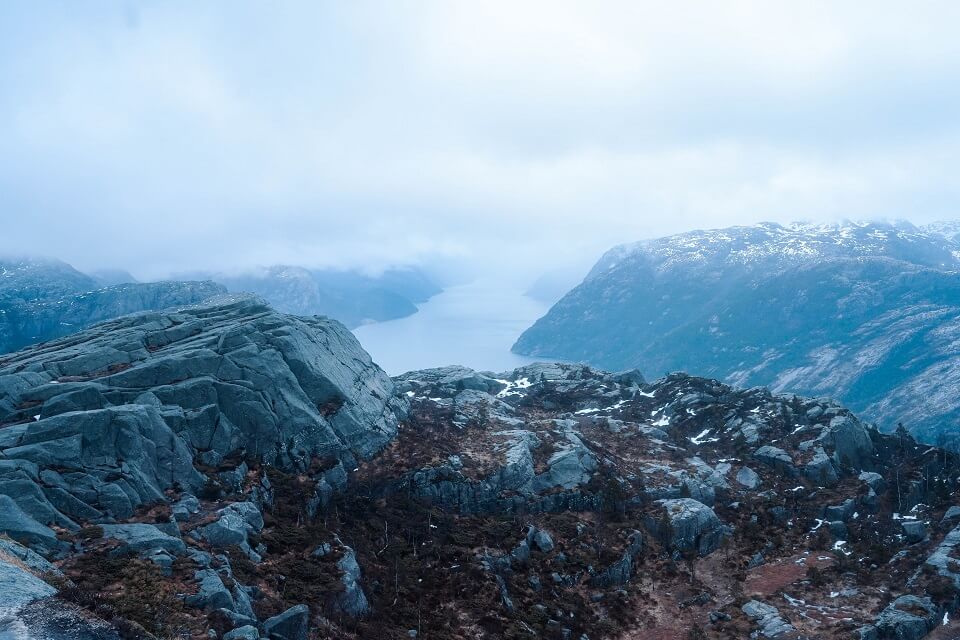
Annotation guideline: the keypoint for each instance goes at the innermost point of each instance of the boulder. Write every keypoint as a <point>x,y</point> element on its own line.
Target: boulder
<point>852,446</point>
<point>292,624</point>
<point>543,541</point>
<point>943,559</point>
<point>776,458</point>
<point>915,530</point>
<point>907,618</point>
<point>686,524</point>
<point>246,632</point>
<point>748,478</point>
<point>144,539</point>
<point>15,523</point>
<point>352,601</point>
<point>820,470</point>
<point>772,625</point>
<point>211,592</point>
<point>840,512</point>
<point>236,522</point>
<point>18,586</point>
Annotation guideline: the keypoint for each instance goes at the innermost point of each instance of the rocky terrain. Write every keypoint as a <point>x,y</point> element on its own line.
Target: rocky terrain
<point>45,299</point>
<point>351,297</point>
<point>867,313</point>
<point>229,471</point>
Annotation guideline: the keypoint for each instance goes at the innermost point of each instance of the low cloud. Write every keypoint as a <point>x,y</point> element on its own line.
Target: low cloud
<point>175,136</point>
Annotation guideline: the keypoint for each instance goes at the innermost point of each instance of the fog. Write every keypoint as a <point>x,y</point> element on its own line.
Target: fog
<point>516,137</point>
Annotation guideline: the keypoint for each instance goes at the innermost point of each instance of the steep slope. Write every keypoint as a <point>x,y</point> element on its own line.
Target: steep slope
<point>347,296</point>
<point>230,468</point>
<point>46,299</point>
<point>861,312</point>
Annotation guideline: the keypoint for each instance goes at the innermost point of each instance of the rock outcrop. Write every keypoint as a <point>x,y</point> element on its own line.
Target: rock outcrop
<point>100,423</point>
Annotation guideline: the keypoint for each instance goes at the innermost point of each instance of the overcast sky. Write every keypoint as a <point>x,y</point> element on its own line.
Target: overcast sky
<point>163,136</point>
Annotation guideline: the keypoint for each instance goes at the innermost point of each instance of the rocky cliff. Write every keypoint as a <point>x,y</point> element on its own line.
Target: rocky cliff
<point>865,313</point>
<point>230,471</point>
<point>43,299</point>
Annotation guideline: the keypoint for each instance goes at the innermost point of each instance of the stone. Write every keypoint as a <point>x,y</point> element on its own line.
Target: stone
<point>247,632</point>
<point>915,530</point>
<point>353,601</point>
<point>907,618</point>
<point>292,624</point>
<point>543,541</point>
<point>144,539</point>
<point>19,587</point>
<point>22,528</point>
<point>873,480</point>
<point>943,558</point>
<point>852,446</point>
<point>29,558</point>
<point>748,478</point>
<point>952,513</point>
<point>227,376</point>
<point>234,526</point>
<point>185,507</point>
<point>820,470</point>
<point>841,512</point>
<point>687,525</point>
<point>776,458</point>
<point>211,592</point>
<point>772,625</point>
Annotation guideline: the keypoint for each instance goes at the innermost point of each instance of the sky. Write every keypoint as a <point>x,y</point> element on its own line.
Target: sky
<point>516,136</point>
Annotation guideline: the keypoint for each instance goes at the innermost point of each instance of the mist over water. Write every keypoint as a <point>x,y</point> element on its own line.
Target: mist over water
<point>472,324</point>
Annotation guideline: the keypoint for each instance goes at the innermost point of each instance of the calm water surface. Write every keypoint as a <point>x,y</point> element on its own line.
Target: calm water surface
<point>473,324</point>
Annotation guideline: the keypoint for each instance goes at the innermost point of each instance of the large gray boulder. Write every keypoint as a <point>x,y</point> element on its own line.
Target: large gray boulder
<point>820,470</point>
<point>143,539</point>
<point>292,624</point>
<point>907,618</point>
<point>352,601</point>
<point>748,478</point>
<point>776,458</point>
<point>686,524</point>
<point>852,446</point>
<point>234,526</point>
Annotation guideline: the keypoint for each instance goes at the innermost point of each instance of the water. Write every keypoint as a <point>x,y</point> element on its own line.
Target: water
<point>473,324</point>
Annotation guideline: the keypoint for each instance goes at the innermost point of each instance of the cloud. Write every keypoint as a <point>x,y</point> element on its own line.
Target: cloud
<point>172,136</point>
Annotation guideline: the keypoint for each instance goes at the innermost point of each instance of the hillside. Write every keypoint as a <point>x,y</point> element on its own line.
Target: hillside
<point>865,313</point>
<point>231,469</point>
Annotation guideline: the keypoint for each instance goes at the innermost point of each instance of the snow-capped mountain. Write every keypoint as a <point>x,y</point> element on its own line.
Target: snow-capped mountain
<point>865,312</point>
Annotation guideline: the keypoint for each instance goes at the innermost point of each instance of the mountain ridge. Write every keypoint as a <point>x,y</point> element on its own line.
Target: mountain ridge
<point>779,306</point>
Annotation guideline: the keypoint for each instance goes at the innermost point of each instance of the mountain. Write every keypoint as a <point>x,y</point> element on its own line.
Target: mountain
<point>949,229</point>
<point>868,313</point>
<point>44,299</point>
<point>348,296</point>
<point>108,277</point>
<point>232,469</point>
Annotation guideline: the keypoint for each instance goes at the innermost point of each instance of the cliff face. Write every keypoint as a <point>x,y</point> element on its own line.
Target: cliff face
<point>865,313</point>
<point>41,300</point>
<point>231,468</point>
